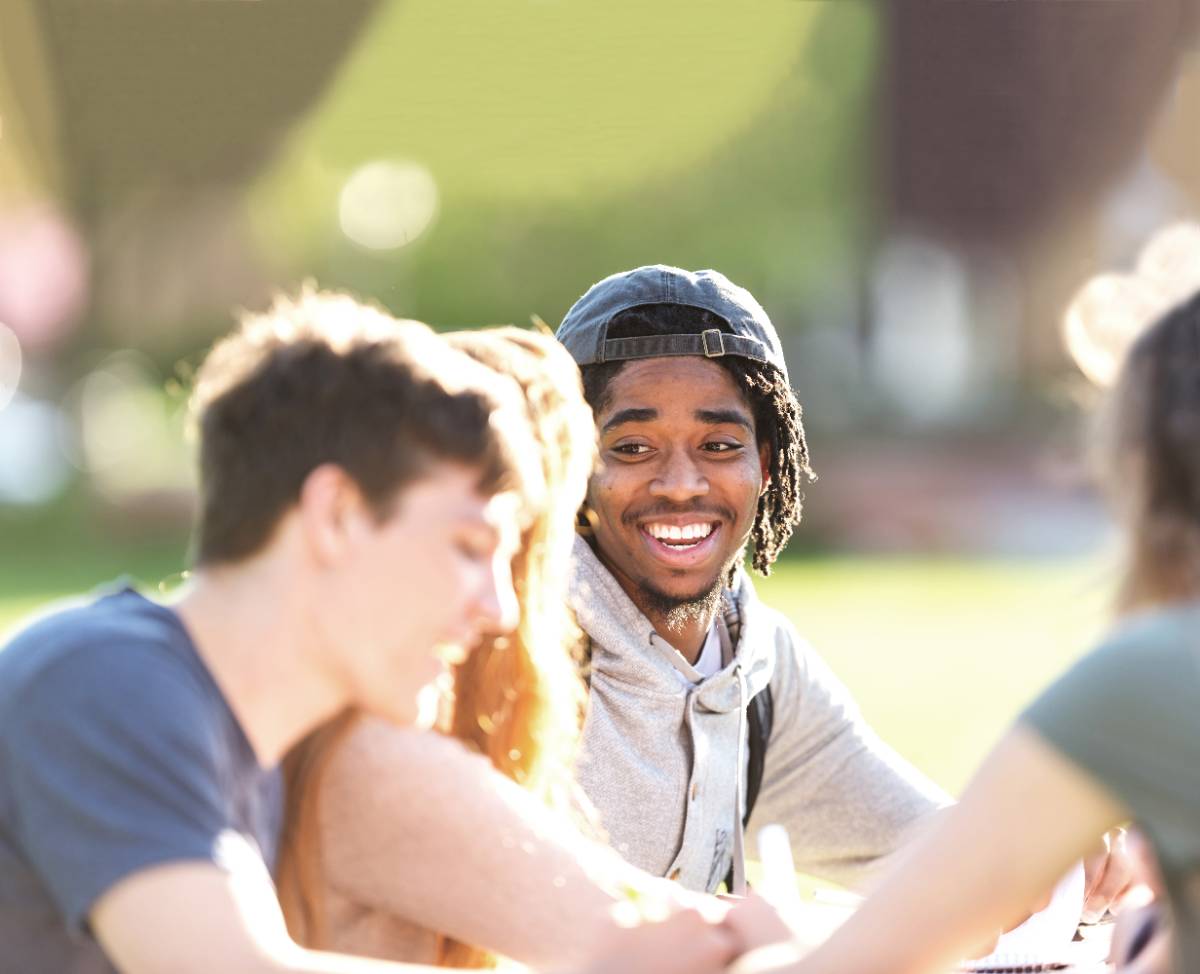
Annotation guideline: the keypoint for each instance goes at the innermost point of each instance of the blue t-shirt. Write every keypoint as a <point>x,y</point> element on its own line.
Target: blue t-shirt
<point>117,753</point>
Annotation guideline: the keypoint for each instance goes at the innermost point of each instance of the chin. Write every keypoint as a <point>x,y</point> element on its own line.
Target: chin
<point>685,590</point>
<point>427,708</point>
<point>682,604</point>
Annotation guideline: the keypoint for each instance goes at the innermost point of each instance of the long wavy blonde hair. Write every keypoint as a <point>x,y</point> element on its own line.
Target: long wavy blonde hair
<point>517,699</point>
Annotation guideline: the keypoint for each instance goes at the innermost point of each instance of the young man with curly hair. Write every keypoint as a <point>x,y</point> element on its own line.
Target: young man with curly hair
<point>704,702</point>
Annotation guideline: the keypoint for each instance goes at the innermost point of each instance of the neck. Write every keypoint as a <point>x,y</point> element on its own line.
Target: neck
<point>689,640</point>
<point>251,625</point>
<point>684,626</point>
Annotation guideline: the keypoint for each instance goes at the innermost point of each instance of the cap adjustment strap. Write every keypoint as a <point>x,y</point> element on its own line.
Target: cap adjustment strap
<point>712,343</point>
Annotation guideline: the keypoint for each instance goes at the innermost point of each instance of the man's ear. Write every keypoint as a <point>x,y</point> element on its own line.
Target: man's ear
<point>764,463</point>
<point>330,507</point>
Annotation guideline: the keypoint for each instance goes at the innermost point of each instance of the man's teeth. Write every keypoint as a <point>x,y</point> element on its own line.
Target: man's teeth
<point>691,533</point>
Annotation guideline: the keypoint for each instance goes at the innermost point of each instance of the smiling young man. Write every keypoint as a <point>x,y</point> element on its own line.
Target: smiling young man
<point>703,701</point>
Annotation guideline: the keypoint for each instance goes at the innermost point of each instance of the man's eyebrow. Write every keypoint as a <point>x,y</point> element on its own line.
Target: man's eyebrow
<point>717,417</point>
<point>623,416</point>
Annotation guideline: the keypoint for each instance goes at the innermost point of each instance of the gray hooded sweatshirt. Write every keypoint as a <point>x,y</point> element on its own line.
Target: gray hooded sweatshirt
<point>663,758</point>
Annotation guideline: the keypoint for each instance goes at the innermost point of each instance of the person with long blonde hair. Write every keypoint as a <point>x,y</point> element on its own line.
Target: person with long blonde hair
<point>405,845</point>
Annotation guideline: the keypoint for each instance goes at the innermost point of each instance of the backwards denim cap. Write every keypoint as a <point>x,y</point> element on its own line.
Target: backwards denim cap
<point>584,331</point>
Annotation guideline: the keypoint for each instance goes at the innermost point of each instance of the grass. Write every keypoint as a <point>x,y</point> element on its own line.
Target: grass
<point>62,552</point>
<point>941,654</point>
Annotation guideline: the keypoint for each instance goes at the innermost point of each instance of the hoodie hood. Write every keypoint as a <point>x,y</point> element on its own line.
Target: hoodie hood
<point>663,759</point>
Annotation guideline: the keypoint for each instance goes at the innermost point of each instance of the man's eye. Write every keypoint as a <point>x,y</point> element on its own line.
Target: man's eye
<point>631,449</point>
<point>717,446</point>
<point>475,550</point>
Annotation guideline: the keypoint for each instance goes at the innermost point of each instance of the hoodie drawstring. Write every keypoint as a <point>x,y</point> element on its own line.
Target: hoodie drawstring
<point>739,832</point>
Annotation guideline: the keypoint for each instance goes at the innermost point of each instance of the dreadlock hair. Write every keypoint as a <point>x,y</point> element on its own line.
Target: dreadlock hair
<point>777,416</point>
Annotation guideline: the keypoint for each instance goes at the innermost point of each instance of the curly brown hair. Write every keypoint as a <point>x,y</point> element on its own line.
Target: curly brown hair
<point>321,379</point>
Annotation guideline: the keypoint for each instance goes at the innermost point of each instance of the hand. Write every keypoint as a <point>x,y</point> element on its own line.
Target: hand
<point>754,922</point>
<point>1141,942</point>
<point>1146,873</point>
<point>1108,875</point>
<point>685,942</point>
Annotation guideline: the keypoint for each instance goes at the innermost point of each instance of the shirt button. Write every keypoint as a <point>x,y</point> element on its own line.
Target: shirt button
<point>695,789</point>
<point>674,873</point>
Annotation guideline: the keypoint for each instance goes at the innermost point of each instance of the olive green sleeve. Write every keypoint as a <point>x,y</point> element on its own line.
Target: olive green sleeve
<point>1128,714</point>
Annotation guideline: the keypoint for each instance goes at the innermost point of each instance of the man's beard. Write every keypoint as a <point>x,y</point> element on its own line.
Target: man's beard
<point>678,611</point>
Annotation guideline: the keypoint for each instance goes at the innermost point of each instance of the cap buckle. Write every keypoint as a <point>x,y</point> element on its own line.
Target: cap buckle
<point>713,341</point>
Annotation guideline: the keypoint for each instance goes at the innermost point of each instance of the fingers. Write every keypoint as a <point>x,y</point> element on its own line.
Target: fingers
<point>694,944</point>
<point>1110,875</point>
<point>1144,862</point>
<point>753,922</point>
<point>685,942</point>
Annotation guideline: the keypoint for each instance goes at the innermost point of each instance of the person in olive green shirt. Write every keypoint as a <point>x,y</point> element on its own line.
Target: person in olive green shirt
<point>1117,738</point>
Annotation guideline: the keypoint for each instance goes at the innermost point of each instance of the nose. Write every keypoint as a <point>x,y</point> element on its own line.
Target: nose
<point>679,478</point>
<point>497,609</point>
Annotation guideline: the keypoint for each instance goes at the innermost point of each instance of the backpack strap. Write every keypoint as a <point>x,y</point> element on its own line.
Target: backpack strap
<point>761,715</point>
<point>760,712</point>
<point>760,718</point>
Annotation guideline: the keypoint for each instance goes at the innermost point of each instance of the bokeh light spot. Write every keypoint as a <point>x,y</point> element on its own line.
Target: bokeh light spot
<point>33,471</point>
<point>1103,320</point>
<point>1171,261</point>
<point>385,205</point>
<point>43,275</point>
<point>10,365</point>
<point>921,350</point>
<point>131,437</point>
<point>1111,310</point>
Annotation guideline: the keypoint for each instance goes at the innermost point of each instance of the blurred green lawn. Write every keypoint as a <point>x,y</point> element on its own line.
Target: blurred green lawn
<point>64,551</point>
<point>940,653</point>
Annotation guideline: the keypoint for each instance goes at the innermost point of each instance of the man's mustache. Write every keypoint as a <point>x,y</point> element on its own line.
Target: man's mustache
<point>672,510</point>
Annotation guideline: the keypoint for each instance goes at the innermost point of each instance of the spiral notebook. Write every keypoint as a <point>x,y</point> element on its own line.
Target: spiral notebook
<point>1044,942</point>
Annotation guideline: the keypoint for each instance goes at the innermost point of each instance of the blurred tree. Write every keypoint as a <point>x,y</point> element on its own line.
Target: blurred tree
<point>143,120</point>
<point>142,95</point>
